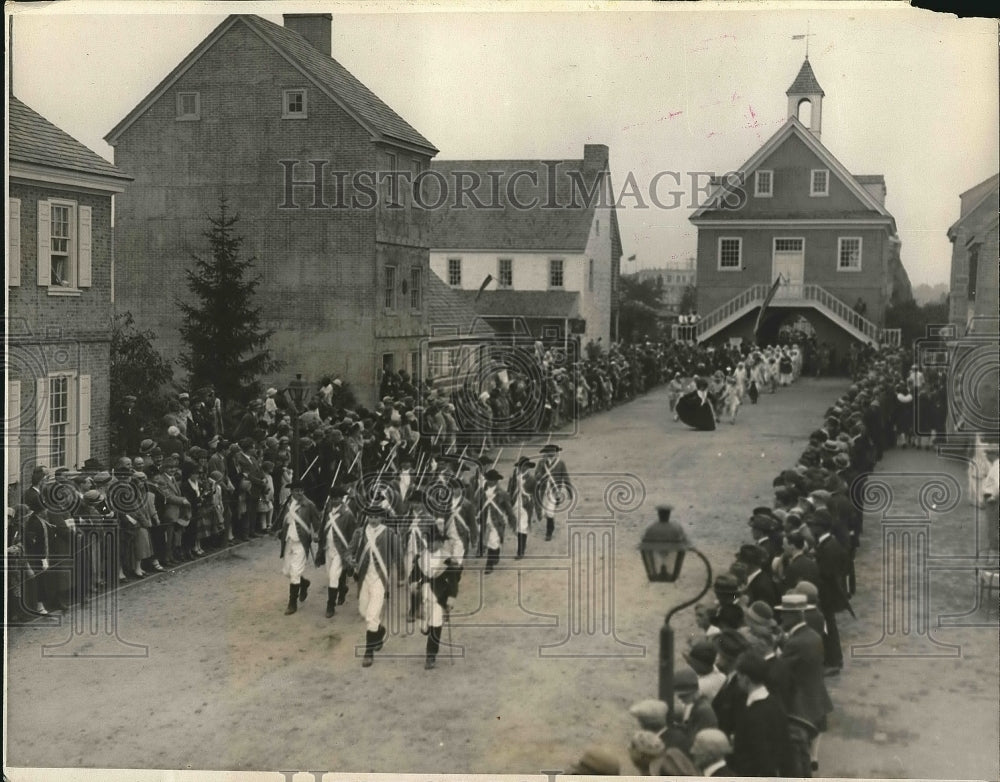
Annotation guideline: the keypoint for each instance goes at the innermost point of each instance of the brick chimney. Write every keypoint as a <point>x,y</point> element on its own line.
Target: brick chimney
<point>595,155</point>
<point>315,28</point>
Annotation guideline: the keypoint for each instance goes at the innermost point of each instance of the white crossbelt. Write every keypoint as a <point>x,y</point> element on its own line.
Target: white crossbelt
<point>332,518</point>
<point>372,550</point>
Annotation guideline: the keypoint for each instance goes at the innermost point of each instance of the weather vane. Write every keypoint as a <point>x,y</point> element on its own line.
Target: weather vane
<point>805,38</point>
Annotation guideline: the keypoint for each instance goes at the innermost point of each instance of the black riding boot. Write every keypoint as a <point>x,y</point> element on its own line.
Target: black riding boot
<point>331,601</point>
<point>522,544</point>
<point>492,557</point>
<point>550,527</point>
<point>369,657</point>
<point>342,589</point>
<point>305,589</point>
<point>293,596</point>
<point>433,645</point>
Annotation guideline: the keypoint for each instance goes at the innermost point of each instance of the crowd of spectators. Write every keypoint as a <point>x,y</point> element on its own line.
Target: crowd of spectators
<point>751,694</point>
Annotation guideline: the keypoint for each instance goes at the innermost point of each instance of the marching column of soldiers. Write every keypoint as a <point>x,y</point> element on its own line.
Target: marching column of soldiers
<point>406,529</point>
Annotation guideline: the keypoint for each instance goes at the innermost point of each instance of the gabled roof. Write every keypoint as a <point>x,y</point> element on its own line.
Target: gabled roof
<point>525,304</point>
<point>329,76</point>
<point>990,188</point>
<point>794,127</point>
<point>555,223</point>
<point>447,307</point>
<point>805,83</point>
<point>35,140</point>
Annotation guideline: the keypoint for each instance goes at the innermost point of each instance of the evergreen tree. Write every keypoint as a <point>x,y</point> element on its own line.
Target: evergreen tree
<point>226,346</point>
<point>137,369</point>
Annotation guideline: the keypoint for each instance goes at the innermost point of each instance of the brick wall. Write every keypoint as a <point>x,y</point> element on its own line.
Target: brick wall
<point>320,267</point>
<point>51,334</point>
<point>716,287</point>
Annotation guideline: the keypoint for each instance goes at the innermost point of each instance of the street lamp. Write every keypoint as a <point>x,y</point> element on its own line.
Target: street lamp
<point>296,393</point>
<point>663,547</point>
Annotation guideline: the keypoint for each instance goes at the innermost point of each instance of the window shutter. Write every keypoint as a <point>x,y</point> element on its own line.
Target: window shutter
<point>14,242</point>
<point>13,431</point>
<point>83,416</point>
<point>42,420</point>
<point>83,248</point>
<point>44,245</point>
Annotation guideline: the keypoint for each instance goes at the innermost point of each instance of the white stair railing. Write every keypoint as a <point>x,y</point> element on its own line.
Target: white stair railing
<point>813,294</point>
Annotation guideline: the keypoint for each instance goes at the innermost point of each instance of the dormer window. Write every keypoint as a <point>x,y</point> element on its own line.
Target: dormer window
<point>188,106</point>
<point>293,104</point>
<point>819,182</point>
<point>763,184</point>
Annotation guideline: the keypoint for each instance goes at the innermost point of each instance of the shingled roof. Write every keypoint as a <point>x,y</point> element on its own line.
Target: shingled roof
<point>524,304</point>
<point>325,72</point>
<point>805,83</point>
<point>447,307</point>
<point>559,214</point>
<point>35,140</point>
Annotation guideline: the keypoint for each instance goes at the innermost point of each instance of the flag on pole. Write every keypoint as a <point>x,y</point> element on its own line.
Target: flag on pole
<point>487,281</point>
<point>763,306</point>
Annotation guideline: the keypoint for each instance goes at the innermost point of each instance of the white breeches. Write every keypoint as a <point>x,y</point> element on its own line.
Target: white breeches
<point>334,566</point>
<point>432,614</point>
<point>371,598</point>
<point>295,561</point>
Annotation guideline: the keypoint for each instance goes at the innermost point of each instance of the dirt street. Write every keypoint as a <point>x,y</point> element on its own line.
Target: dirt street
<point>550,654</point>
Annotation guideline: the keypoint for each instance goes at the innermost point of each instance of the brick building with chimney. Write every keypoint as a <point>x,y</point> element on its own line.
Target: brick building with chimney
<point>263,115</point>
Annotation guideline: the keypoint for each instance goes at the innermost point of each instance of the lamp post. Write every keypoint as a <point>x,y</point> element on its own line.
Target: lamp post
<point>296,392</point>
<point>663,547</point>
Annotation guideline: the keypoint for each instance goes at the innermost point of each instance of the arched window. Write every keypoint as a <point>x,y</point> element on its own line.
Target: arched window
<point>804,112</point>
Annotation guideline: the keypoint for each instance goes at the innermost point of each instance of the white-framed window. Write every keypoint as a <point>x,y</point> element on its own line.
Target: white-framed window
<point>416,287</point>
<point>390,190</point>
<point>849,254</point>
<point>505,273</point>
<point>188,106</point>
<point>64,246</point>
<point>787,245</point>
<point>730,253</point>
<point>293,104</point>
<point>556,273</point>
<point>819,182</point>
<point>389,292</point>
<point>59,419</point>
<point>63,419</point>
<point>12,433</point>
<point>455,272</point>
<point>13,241</point>
<point>763,184</point>
<point>590,275</point>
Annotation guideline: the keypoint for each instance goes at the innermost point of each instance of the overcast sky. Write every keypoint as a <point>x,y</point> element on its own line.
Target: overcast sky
<point>910,94</point>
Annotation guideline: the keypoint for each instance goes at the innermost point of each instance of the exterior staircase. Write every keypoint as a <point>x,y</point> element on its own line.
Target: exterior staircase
<point>813,296</point>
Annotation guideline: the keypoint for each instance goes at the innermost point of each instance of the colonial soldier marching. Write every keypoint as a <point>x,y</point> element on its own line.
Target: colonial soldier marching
<point>551,485</point>
<point>333,546</point>
<point>300,521</point>
<point>495,514</point>
<point>461,512</point>
<point>417,540</point>
<point>378,563</point>
<point>521,488</point>
<point>440,569</point>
